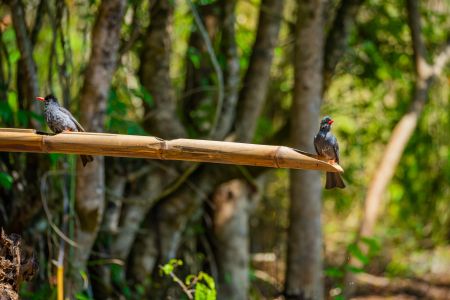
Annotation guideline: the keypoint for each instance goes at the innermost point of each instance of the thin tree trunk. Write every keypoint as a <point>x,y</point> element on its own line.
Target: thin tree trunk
<point>154,74</point>
<point>199,83</point>
<point>97,81</point>
<point>336,41</point>
<point>304,278</point>
<point>254,90</point>
<point>30,79</point>
<point>231,71</point>
<point>425,73</point>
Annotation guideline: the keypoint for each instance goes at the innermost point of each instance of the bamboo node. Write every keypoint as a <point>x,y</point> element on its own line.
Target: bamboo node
<point>275,159</point>
<point>44,146</point>
<point>162,149</point>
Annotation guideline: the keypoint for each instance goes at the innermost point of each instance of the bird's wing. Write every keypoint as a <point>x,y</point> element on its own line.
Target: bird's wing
<point>315,146</point>
<point>79,127</point>
<point>336,149</point>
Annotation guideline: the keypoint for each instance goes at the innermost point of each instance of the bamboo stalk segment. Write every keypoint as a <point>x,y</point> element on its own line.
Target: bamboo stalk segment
<point>27,140</point>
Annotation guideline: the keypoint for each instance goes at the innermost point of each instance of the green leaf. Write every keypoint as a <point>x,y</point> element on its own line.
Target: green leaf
<point>167,269</point>
<point>202,292</point>
<point>354,269</point>
<point>6,180</point>
<point>356,252</point>
<point>143,94</point>
<point>334,272</point>
<point>82,296</point>
<point>373,244</point>
<point>194,56</point>
<point>188,280</point>
<point>171,265</point>
<point>14,56</point>
<point>12,101</point>
<point>205,289</point>
<point>208,279</point>
<point>6,114</point>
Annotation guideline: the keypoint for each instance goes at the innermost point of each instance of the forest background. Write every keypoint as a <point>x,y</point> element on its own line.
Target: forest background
<point>246,71</point>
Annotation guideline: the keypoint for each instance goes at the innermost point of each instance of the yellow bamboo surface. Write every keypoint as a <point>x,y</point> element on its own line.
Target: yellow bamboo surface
<point>27,140</point>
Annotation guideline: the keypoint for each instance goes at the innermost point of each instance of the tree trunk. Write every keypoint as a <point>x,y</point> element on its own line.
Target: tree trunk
<point>94,94</point>
<point>254,90</point>
<point>304,278</point>
<point>154,73</point>
<point>231,238</point>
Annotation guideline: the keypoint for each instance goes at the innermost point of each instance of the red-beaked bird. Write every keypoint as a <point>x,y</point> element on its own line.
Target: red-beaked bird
<point>326,145</point>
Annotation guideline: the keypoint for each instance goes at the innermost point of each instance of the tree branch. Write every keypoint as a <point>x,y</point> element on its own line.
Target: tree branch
<point>225,117</point>
<point>216,66</point>
<point>419,50</point>
<point>337,37</point>
<point>40,13</point>
<point>441,59</point>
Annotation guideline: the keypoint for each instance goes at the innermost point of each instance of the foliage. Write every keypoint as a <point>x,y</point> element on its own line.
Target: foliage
<point>202,284</point>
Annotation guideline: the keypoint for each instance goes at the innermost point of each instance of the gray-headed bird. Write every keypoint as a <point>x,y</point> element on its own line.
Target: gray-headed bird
<point>326,145</point>
<point>60,119</point>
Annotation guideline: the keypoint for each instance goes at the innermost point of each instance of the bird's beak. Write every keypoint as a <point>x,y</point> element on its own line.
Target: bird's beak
<point>40,98</point>
<point>330,122</point>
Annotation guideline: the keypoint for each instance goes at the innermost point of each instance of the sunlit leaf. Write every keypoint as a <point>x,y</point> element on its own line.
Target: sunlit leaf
<point>6,180</point>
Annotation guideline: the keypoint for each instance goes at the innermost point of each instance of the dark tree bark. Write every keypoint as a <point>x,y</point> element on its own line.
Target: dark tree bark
<point>94,94</point>
<point>154,74</point>
<point>304,258</point>
<point>231,70</point>
<point>254,89</point>
<point>29,82</point>
<point>336,42</point>
<point>199,84</point>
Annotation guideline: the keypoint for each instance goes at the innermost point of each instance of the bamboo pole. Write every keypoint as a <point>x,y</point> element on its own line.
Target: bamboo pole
<point>28,140</point>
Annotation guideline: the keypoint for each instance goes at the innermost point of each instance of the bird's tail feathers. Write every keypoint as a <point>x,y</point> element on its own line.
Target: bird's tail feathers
<point>334,180</point>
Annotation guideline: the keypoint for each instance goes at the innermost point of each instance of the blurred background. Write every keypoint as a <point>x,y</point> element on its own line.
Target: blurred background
<point>256,71</point>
